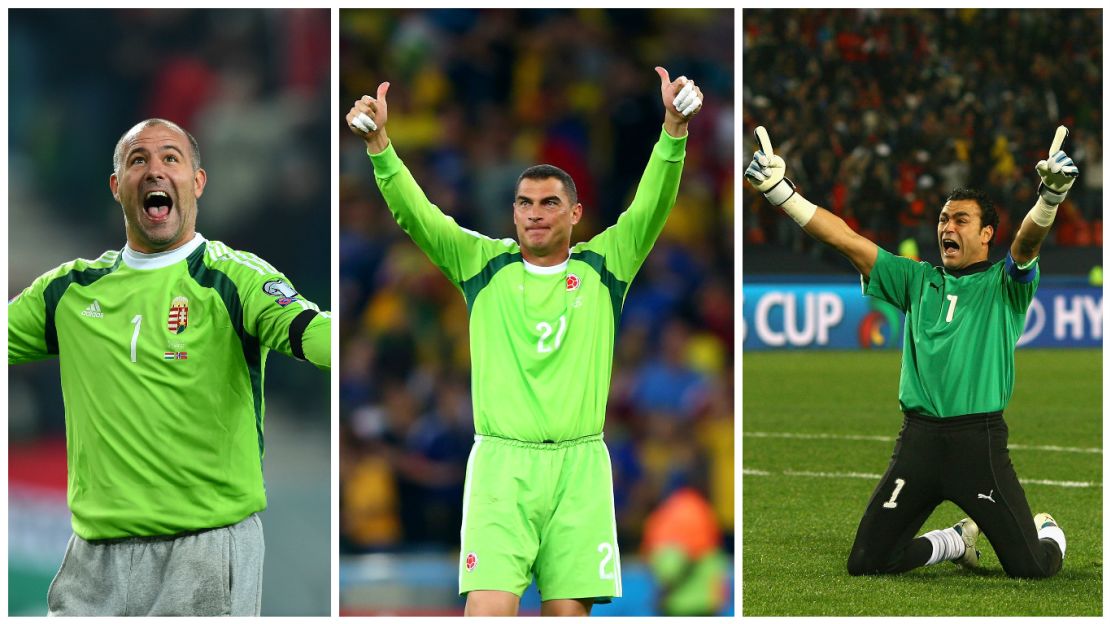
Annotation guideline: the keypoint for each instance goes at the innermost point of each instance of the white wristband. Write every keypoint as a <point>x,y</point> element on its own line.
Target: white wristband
<point>799,209</point>
<point>1043,214</point>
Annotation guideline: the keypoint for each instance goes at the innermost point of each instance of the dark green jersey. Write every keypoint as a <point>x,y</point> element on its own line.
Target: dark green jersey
<point>961,331</point>
<point>162,359</point>
<point>541,338</point>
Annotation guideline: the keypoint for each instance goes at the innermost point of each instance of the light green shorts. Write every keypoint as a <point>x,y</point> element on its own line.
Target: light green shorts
<point>544,509</point>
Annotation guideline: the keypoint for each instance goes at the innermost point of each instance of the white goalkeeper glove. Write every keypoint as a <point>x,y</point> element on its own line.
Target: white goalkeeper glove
<point>365,123</point>
<point>1057,173</point>
<point>767,172</point>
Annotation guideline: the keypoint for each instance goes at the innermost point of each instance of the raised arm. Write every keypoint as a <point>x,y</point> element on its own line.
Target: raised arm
<point>458,252</point>
<point>1057,173</point>
<point>627,243</point>
<point>767,174</point>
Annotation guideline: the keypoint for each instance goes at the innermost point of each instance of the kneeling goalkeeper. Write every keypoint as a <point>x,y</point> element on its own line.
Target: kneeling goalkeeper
<point>963,321</point>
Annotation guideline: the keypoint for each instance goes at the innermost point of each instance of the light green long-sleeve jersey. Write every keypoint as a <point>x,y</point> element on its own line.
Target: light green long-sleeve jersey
<point>541,338</point>
<point>162,359</point>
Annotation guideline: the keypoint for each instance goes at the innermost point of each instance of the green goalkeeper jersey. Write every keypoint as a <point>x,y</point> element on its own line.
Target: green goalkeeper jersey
<point>162,360</point>
<point>961,331</point>
<point>541,338</point>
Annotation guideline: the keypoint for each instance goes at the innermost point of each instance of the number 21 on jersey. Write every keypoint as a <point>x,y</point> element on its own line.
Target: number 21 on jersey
<point>545,344</point>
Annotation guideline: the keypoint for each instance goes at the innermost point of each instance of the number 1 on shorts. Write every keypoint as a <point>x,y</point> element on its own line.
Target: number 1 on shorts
<point>898,483</point>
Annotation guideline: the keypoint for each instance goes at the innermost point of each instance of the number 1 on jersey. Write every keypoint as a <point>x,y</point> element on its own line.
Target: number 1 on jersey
<point>951,307</point>
<point>137,322</point>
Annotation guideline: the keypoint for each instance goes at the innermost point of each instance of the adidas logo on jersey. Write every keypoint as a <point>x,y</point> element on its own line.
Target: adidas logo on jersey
<point>93,310</point>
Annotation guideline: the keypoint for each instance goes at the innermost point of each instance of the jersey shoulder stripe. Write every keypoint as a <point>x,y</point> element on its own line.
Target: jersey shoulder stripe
<point>108,259</point>
<point>474,285</point>
<point>617,288</point>
<point>212,277</point>
<point>81,272</point>
<point>254,260</point>
<point>229,260</point>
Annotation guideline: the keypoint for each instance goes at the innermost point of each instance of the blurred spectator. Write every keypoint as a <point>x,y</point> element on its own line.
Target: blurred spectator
<point>682,543</point>
<point>666,383</point>
<point>486,93</point>
<point>881,113</point>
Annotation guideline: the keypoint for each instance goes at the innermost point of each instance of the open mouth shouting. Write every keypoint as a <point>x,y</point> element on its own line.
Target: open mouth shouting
<point>157,205</point>
<point>949,247</point>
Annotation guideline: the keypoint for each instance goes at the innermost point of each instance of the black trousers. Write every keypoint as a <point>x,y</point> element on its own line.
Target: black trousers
<point>964,460</point>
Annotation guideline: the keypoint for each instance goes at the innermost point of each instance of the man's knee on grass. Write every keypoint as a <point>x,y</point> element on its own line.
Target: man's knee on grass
<point>1052,563</point>
<point>861,564</point>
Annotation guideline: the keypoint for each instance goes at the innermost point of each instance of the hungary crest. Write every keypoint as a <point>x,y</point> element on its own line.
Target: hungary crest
<point>179,315</point>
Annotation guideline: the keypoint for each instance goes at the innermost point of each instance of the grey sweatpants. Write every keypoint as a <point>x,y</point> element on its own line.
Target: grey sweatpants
<point>212,572</point>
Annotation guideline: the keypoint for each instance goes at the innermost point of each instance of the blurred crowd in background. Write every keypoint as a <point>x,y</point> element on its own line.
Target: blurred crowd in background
<point>879,114</point>
<point>252,86</point>
<point>476,97</point>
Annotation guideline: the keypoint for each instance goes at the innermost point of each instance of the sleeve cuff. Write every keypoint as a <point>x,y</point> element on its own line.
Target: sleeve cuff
<point>386,162</point>
<point>316,341</point>
<point>296,333</point>
<point>669,148</point>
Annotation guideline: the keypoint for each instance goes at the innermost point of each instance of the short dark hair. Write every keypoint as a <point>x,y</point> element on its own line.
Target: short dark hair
<point>117,154</point>
<point>988,215</point>
<point>543,172</point>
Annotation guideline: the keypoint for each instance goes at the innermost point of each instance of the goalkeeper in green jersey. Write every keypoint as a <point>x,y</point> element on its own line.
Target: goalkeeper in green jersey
<point>162,349</point>
<point>538,497</point>
<point>963,321</point>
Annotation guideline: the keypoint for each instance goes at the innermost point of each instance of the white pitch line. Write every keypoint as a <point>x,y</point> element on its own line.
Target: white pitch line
<point>869,475</point>
<point>879,438</point>
<point>831,475</point>
<point>1071,484</point>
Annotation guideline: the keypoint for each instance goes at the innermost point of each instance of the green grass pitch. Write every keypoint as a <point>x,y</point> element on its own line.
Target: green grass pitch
<point>798,528</point>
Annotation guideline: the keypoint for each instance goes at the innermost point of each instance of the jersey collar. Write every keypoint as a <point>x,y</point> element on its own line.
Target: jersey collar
<point>978,267</point>
<point>148,262</point>
<point>548,270</point>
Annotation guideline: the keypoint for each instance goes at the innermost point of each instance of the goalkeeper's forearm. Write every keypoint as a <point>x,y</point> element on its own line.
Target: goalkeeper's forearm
<point>1034,229</point>
<point>833,231</point>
